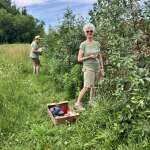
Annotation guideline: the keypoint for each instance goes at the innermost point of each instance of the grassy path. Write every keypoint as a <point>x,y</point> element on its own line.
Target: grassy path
<point>24,99</point>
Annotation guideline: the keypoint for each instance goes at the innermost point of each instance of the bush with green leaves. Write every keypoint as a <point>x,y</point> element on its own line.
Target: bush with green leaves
<point>61,57</point>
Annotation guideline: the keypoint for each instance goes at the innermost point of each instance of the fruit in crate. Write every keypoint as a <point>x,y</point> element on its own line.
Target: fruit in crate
<point>56,111</point>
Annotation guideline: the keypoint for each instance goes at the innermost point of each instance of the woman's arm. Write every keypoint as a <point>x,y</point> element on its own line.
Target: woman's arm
<point>81,56</point>
<point>101,64</point>
<point>34,47</point>
<point>101,61</point>
<point>35,50</point>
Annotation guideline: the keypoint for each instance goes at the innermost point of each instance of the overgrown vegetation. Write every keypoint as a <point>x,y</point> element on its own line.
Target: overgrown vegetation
<point>121,118</point>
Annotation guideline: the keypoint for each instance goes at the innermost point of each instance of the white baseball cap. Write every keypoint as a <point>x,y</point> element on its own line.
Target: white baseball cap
<point>37,37</point>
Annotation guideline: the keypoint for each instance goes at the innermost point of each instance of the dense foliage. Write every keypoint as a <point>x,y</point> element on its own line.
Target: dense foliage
<point>16,25</point>
<point>121,118</point>
<point>61,59</point>
<point>123,31</point>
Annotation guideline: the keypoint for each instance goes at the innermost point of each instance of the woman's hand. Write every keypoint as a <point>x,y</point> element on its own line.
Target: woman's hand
<point>102,72</point>
<point>40,50</point>
<point>93,56</point>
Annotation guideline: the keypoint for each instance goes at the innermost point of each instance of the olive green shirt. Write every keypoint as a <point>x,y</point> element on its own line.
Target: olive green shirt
<point>34,46</point>
<point>94,49</point>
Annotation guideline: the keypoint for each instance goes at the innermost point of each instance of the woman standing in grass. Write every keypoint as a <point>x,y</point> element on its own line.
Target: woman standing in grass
<point>89,54</point>
<point>34,54</point>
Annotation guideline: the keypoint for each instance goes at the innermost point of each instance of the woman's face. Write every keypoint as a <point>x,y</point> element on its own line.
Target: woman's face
<point>89,32</point>
<point>38,40</point>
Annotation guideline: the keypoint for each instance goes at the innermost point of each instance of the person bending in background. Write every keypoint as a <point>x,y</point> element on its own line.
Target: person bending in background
<point>34,54</point>
<point>93,69</point>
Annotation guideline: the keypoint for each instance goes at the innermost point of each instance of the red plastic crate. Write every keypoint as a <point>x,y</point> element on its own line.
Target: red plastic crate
<point>69,114</point>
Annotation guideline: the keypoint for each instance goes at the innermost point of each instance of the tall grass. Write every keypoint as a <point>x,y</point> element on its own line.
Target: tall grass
<point>20,92</point>
<point>18,55</point>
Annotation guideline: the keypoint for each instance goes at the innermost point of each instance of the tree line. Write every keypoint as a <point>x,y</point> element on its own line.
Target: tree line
<point>16,25</point>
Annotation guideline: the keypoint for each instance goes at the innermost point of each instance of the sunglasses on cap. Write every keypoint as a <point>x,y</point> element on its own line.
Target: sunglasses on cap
<point>91,31</point>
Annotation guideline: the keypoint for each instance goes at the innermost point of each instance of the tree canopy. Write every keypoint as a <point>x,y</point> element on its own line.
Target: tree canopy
<point>16,25</point>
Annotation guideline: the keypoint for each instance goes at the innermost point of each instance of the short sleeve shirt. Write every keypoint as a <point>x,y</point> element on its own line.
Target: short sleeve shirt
<point>34,45</point>
<point>94,49</point>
